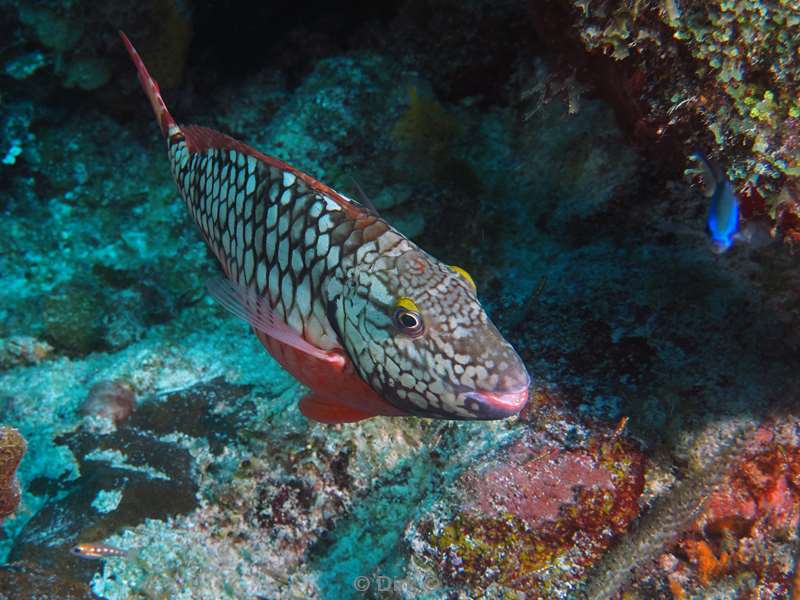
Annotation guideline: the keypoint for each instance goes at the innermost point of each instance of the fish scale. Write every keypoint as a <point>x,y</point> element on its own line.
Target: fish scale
<point>229,193</point>
<point>347,304</point>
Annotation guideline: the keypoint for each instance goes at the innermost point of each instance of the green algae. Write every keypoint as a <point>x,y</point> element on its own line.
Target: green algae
<point>431,136</point>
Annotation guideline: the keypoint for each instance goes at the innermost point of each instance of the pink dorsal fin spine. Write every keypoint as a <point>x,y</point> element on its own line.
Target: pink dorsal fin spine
<point>150,87</point>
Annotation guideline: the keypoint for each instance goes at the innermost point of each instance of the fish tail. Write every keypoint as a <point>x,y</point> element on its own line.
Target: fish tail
<point>165,120</point>
<point>711,174</point>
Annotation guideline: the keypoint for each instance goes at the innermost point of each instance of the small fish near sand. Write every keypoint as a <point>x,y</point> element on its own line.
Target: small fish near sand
<point>98,551</point>
<point>357,312</point>
<point>722,222</point>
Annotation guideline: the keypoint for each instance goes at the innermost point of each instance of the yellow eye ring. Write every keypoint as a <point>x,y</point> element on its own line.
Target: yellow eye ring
<point>465,275</point>
<point>406,303</point>
<point>407,318</point>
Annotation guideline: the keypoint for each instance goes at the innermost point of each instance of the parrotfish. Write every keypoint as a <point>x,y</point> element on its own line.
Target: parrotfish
<point>722,223</point>
<point>97,551</point>
<point>355,311</point>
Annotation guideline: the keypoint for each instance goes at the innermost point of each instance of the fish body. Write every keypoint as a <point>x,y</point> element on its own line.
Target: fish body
<point>722,222</point>
<point>371,323</point>
<point>97,551</point>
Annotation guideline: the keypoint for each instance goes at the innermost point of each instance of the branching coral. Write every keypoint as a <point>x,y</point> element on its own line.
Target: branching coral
<point>12,447</point>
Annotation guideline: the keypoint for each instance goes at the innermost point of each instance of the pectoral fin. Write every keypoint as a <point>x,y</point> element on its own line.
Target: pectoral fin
<point>248,305</point>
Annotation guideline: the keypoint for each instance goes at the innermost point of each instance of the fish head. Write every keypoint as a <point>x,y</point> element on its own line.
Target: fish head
<point>718,241</point>
<point>720,246</point>
<point>418,335</point>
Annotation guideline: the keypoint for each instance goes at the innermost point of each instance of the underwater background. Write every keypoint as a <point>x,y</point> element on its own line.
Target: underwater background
<point>544,146</point>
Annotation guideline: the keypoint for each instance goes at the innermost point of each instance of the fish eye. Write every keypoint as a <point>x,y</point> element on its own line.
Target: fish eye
<point>408,322</point>
<point>407,318</point>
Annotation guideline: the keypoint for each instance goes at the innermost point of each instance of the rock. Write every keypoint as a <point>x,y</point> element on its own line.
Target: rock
<point>114,400</point>
<point>126,475</point>
<point>12,448</point>
<point>73,318</point>
<point>23,350</point>
<point>515,521</point>
<point>25,581</point>
<point>155,479</point>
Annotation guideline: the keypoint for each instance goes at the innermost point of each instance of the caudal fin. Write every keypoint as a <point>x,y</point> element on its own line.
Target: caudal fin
<point>165,120</point>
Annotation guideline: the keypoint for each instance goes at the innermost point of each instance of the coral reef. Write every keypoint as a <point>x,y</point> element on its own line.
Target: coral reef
<point>157,424</point>
<point>58,35</point>
<point>12,448</point>
<point>753,514</point>
<point>671,515</point>
<point>688,75</point>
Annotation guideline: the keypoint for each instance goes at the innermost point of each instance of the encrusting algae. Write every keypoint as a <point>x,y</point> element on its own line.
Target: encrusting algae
<point>545,511</point>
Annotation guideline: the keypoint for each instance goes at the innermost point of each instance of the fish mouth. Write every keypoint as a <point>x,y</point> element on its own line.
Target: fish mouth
<point>499,404</point>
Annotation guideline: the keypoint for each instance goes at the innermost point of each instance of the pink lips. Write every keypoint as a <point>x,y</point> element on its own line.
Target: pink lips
<point>507,400</point>
<point>505,403</point>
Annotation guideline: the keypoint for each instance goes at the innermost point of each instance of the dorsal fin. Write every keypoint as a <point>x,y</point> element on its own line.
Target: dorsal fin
<point>150,87</point>
<point>202,138</point>
<point>363,198</point>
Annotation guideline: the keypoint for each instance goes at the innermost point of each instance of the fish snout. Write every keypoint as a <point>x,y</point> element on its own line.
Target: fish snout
<point>507,394</point>
<point>501,402</point>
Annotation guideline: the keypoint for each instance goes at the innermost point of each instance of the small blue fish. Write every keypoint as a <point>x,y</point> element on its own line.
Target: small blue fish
<point>722,223</point>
